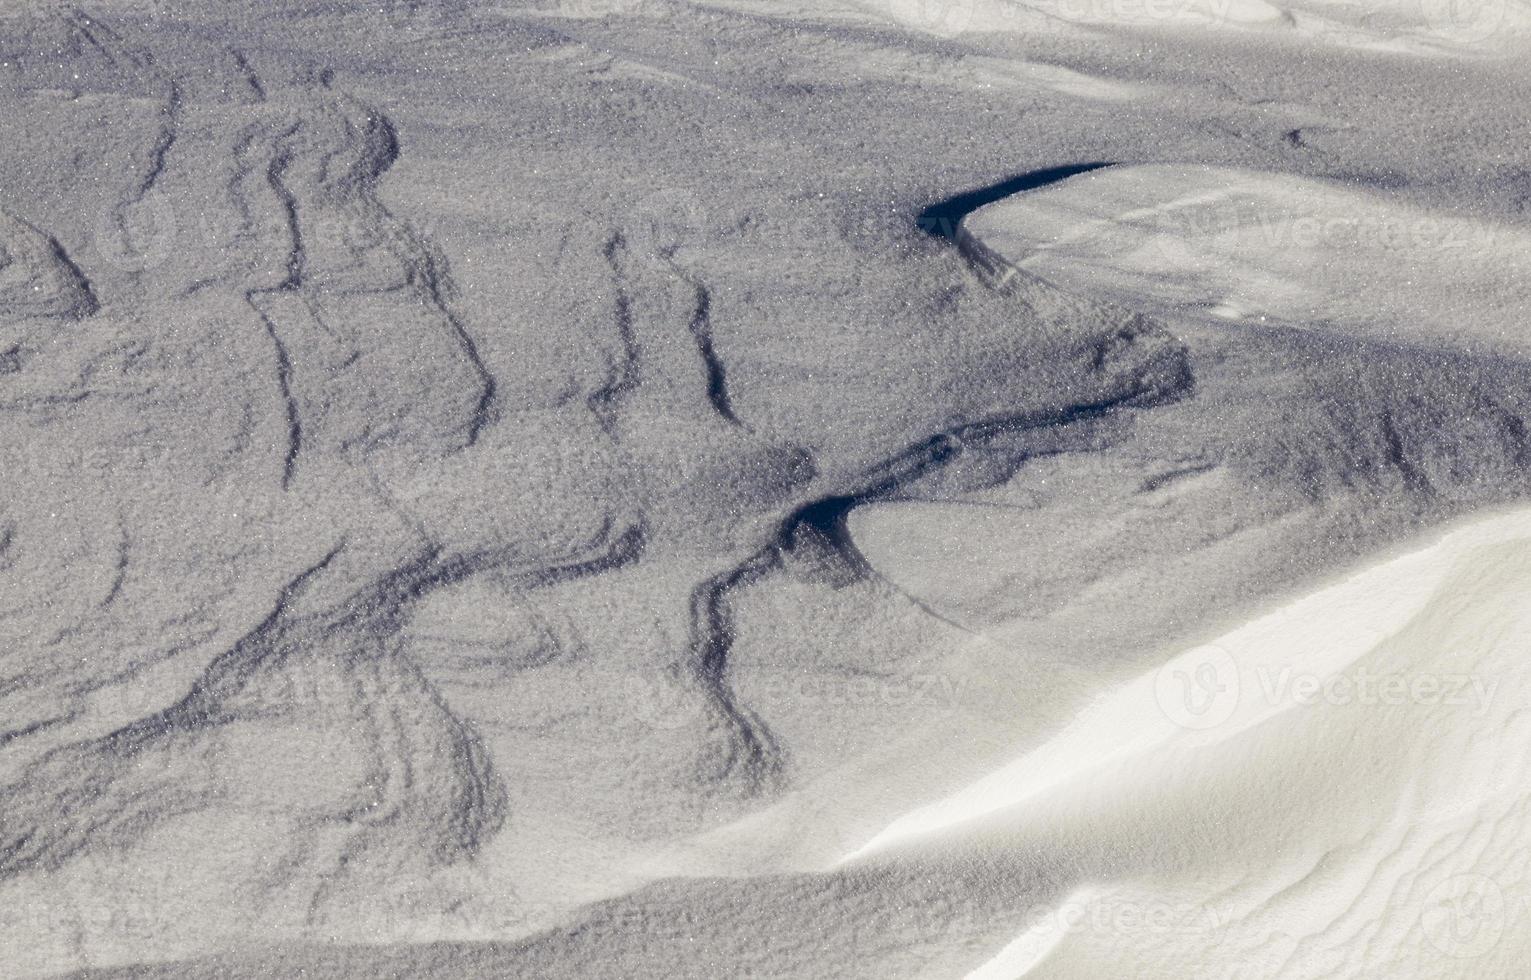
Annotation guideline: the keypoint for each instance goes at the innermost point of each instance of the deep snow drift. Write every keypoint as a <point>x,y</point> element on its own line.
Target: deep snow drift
<point>643,488</point>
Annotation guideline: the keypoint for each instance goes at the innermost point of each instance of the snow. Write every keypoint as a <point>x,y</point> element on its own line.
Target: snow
<point>753,488</point>
<point>1420,27</point>
<point>1234,246</point>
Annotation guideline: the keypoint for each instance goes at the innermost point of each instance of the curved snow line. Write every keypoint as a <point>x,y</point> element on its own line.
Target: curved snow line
<point>1235,678</point>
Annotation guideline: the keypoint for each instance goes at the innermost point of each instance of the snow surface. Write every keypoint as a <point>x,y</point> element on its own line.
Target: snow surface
<point>626,488</point>
<point>1413,26</point>
<point>1219,244</point>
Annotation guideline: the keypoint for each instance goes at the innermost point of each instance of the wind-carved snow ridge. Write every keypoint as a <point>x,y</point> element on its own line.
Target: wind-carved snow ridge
<point>654,267</point>
<point>1163,376</point>
<point>1132,364</point>
<point>638,282</point>
<point>462,798</point>
<point>944,218</point>
<point>623,374</point>
<point>301,661</point>
<point>568,608</point>
<point>369,353</point>
<point>351,267</point>
<point>754,752</point>
<point>813,542</point>
<point>294,277</point>
<point>252,80</point>
<point>164,142</point>
<point>717,374</point>
<point>37,278</point>
<point>658,301</point>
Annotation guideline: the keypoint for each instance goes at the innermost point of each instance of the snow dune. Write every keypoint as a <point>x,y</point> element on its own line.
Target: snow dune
<point>1331,786</point>
<point>1336,784</point>
<point>515,489</point>
<point>1412,26</point>
<point>1227,246</point>
<point>1311,652</point>
<point>1381,781</point>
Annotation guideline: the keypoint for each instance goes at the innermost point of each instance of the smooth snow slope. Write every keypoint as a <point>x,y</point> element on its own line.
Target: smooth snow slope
<point>1421,27</point>
<point>1273,250</point>
<point>1361,710</point>
<point>1393,840</point>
